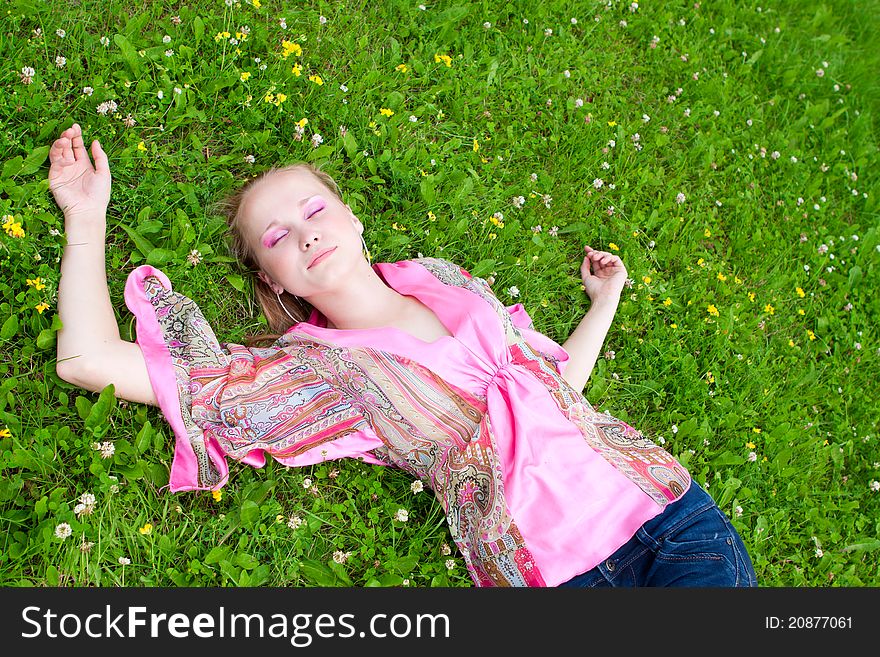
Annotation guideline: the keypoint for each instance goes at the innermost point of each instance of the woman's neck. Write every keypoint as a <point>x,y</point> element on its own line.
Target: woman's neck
<point>365,302</point>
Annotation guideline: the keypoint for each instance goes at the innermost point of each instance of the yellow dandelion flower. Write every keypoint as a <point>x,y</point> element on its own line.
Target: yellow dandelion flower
<point>142,146</point>
<point>701,262</point>
<point>635,233</point>
<point>721,277</point>
<point>800,311</point>
<point>146,529</point>
<point>758,429</point>
<point>316,79</point>
<point>667,301</point>
<point>737,280</point>
<point>269,98</point>
<point>707,233</point>
<point>432,216</point>
<point>712,310</point>
<point>673,325</point>
<point>402,68</point>
<point>245,75</point>
<point>531,194</point>
<point>476,146</point>
<point>646,279</point>
<point>826,443</point>
<point>297,70</point>
<point>41,307</point>
<point>386,112</point>
<point>37,283</point>
<point>280,98</point>
<point>800,292</point>
<point>446,59</point>
<point>238,51</point>
<point>751,296</point>
<point>545,302</point>
<point>613,246</point>
<point>5,433</point>
<point>257,4</point>
<point>750,445</point>
<point>217,495</point>
<point>612,123</point>
<point>811,335</point>
<point>769,309</point>
<point>492,236</point>
<point>303,122</point>
<point>791,343</point>
<point>710,378</point>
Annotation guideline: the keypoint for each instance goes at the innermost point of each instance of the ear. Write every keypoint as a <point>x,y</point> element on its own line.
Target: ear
<point>268,281</point>
<point>357,222</point>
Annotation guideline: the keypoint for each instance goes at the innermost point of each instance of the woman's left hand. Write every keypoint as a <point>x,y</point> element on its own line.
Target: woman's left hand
<point>607,277</point>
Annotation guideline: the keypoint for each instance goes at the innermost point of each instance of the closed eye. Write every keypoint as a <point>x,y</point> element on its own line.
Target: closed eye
<point>285,232</point>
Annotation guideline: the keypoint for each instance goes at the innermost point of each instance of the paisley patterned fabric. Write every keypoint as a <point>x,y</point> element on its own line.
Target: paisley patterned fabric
<point>305,393</point>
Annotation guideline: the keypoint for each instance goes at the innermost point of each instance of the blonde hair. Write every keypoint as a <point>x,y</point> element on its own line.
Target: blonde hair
<point>230,208</point>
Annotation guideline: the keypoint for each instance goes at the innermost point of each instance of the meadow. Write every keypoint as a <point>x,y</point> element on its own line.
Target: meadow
<point>727,151</point>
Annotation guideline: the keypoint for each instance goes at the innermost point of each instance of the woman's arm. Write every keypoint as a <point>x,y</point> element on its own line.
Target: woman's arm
<point>584,344</point>
<point>91,353</point>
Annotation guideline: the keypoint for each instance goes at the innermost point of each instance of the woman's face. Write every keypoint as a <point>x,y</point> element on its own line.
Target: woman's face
<point>289,218</point>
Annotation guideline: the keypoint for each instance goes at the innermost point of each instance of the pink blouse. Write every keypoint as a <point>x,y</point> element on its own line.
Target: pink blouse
<point>572,507</point>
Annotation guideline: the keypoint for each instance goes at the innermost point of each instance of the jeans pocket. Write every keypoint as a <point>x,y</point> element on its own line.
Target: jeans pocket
<point>701,552</point>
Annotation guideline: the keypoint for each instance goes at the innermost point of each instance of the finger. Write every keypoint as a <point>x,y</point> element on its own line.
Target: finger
<point>79,147</point>
<point>66,150</point>
<point>102,165</point>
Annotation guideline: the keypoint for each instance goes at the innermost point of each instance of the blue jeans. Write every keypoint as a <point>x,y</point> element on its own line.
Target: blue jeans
<point>691,543</point>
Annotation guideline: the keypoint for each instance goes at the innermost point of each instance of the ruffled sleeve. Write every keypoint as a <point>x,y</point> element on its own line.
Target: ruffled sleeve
<point>225,399</point>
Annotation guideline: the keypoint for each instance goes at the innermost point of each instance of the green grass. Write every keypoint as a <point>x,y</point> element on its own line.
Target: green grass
<point>705,384</point>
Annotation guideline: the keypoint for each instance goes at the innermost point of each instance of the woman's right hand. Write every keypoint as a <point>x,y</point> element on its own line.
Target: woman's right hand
<point>78,188</point>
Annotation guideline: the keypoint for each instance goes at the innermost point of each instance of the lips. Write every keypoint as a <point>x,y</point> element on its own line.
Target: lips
<point>320,257</point>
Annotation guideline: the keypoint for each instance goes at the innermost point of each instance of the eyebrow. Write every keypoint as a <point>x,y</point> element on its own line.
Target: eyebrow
<point>274,222</point>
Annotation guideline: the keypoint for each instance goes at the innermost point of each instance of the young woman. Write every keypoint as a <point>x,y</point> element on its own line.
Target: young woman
<point>414,364</point>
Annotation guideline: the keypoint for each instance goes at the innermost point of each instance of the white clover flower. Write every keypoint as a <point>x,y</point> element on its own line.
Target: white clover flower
<point>874,486</point>
<point>341,557</point>
<point>566,73</point>
<point>753,457</point>
<point>445,550</point>
<point>160,94</point>
<point>322,19</point>
<point>307,483</point>
<point>316,140</point>
<point>579,102</point>
<point>674,428</point>
<point>105,41</point>
<point>294,522</point>
<point>402,515</point>
<point>413,118</point>
<point>680,198</point>
<point>166,39</point>
<point>63,530</point>
<point>738,511</point>
<point>513,291</point>
<point>107,449</point>
<point>250,159</point>
<point>124,561</point>
<point>597,183</point>
<point>450,563</point>
<point>60,61</point>
<point>487,25</point>
<point>61,33</point>
<point>417,486</point>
